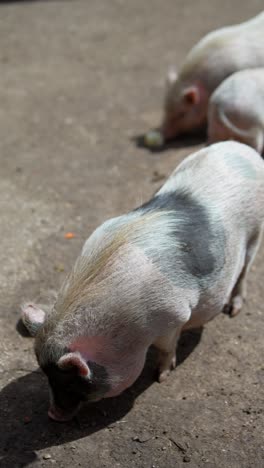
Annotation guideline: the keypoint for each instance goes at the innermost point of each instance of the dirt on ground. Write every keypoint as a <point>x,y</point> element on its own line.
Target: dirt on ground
<point>80,81</point>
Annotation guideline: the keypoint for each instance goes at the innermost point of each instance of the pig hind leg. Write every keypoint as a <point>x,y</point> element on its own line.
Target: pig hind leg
<point>238,294</point>
<point>220,128</point>
<point>216,130</point>
<point>254,138</point>
<point>166,346</point>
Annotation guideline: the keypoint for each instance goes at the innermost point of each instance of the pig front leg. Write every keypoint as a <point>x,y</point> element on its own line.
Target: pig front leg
<point>166,346</point>
<point>238,295</point>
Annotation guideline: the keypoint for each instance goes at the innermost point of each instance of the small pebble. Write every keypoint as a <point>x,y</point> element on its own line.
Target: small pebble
<point>47,456</point>
<point>142,438</point>
<point>59,267</point>
<point>157,176</point>
<point>154,139</point>
<point>186,459</point>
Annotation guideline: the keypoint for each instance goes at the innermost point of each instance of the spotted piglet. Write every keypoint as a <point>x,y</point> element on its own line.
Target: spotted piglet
<point>171,264</point>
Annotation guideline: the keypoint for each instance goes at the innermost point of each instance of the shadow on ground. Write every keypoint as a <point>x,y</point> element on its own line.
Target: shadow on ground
<point>26,428</point>
<point>184,141</point>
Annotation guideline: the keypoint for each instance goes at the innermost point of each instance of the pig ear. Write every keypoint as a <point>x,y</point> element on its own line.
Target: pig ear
<point>191,95</point>
<point>172,76</point>
<point>74,360</point>
<point>32,317</point>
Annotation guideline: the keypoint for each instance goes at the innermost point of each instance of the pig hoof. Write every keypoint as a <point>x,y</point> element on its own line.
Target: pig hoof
<point>173,363</point>
<point>234,307</point>
<point>163,375</point>
<point>164,370</point>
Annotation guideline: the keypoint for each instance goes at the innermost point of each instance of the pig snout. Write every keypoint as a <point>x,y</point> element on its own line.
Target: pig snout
<point>169,128</point>
<point>57,414</point>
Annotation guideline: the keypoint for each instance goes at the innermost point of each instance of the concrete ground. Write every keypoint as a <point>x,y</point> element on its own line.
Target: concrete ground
<point>79,81</point>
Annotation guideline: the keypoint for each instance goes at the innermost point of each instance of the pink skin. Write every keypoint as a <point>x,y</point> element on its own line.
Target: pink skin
<point>186,113</point>
<point>130,378</point>
<point>32,317</point>
<point>33,313</point>
<point>128,372</point>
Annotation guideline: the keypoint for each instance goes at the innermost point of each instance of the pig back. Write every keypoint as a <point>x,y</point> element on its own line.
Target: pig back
<point>228,179</point>
<point>241,96</point>
<point>225,51</point>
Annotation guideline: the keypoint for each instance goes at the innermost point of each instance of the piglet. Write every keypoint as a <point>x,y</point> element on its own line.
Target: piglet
<point>236,109</point>
<point>141,278</point>
<point>212,60</point>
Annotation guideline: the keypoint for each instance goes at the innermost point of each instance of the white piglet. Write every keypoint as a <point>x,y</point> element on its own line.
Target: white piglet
<point>173,263</point>
<point>236,109</point>
<point>215,57</point>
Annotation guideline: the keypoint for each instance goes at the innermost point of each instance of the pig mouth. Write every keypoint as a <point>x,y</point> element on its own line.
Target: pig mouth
<point>170,129</point>
<point>59,415</point>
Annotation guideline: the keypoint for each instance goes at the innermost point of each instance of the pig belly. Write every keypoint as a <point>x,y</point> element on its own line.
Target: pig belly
<point>212,302</point>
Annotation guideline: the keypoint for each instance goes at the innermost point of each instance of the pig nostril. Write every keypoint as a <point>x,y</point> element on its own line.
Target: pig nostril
<point>56,415</point>
<point>52,414</point>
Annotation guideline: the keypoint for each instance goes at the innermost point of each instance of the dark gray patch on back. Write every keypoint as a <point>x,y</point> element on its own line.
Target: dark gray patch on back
<point>201,241</point>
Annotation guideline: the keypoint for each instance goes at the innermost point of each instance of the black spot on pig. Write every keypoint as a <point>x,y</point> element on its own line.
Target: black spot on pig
<point>69,389</point>
<point>201,239</point>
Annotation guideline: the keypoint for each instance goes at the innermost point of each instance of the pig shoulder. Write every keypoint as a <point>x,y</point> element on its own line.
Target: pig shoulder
<point>225,51</point>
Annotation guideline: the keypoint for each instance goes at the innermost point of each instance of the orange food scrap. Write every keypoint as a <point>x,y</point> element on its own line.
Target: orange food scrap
<point>69,235</point>
<point>27,419</point>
